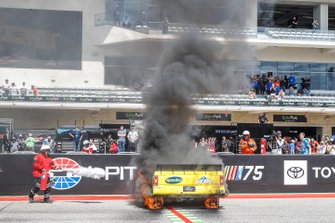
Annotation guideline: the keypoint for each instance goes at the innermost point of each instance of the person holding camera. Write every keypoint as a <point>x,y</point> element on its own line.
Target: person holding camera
<point>247,144</point>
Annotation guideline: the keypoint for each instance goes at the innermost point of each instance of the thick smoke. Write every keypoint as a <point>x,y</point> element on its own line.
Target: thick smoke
<point>193,64</point>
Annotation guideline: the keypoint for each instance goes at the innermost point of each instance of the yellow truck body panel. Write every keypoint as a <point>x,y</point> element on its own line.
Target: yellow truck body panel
<point>189,180</point>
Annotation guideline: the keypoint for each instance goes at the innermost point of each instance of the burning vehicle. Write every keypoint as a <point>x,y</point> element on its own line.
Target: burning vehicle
<point>185,182</point>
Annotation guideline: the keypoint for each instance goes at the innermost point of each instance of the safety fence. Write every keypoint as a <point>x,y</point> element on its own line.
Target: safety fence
<point>244,174</point>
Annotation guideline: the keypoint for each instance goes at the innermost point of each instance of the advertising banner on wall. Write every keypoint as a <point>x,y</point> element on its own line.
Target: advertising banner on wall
<point>244,174</point>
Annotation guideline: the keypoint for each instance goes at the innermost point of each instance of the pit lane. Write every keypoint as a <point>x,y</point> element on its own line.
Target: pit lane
<point>231,210</point>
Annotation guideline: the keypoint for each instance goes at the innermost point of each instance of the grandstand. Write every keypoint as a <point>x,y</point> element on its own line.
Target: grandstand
<point>100,66</point>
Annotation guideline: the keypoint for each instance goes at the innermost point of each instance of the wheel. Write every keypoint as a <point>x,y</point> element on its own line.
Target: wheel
<point>212,202</point>
<point>154,203</point>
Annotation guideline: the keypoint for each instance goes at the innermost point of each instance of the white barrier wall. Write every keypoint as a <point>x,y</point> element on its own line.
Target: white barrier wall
<point>92,72</point>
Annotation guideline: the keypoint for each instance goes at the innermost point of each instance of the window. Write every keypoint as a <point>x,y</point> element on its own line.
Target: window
<point>318,67</point>
<point>285,66</point>
<point>301,67</point>
<point>268,66</point>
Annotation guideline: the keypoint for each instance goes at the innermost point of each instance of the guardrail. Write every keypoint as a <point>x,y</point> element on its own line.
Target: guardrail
<point>214,101</point>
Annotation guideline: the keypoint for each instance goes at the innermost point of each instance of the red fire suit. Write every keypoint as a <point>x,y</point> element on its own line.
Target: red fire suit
<point>41,163</point>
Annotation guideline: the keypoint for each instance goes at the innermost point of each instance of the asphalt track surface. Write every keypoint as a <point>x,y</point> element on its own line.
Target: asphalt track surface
<point>247,209</point>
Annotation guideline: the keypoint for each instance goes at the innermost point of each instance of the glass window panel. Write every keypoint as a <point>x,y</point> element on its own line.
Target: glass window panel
<point>285,66</point>
<point>330,67</point>
<point>301,66</point>
<point>268,66</point>
<point>318,67</point>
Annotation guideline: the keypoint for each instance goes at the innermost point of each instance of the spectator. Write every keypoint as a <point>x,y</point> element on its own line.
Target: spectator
<point>6,88</point>
<point>252,94</point>
<point>121,142</point>
<point>231,144</point>
<point>247,144</point>
<point>77,136</point>
<point>203,143</point>
<point>330,147</point>
<point>20,142</point>
<point>280,146</point>
<point>260,86</point>
<point>224,144</point>
<point>268,87</point>
<point>92,145</point>
<point>13,89</point>
<point>276,85</point>
<point>34,89</point>
<point>291,91</point>
<point>283,83</point>
<point>117,16</point>
<point>87,147</point>
<point>286,82</point>
<point>23,89</point>
<point>314,145</point>
<point>49,142</point>
<point>15,147</point>
<point>113,147</point>
<point>132,138</point>
<point>293,23</point>
<point>291,81</point>
<point>281,94</point>
<point>211,144</point>
<point>306,92</point>
<point>165,25</point>
<point>315,24</point>
<point>292,146</point>
<point>30,143</point>
<point>322,148</point>
<point>262,118</point>
<point>305,148</point>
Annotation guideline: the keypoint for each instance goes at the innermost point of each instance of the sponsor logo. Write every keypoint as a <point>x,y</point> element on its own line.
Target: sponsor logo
<point>173,180</point>
<point>203,180</point>
<point>62,181</point>
<point>243,173</point>
<point>295,172</point>
<point>323,172</point>
<point>189,189</point>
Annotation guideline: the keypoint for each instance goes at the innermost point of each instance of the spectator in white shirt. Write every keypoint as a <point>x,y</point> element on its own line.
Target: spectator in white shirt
<point>133,138</point>
<point>23,89</point>
<point>6,88</point>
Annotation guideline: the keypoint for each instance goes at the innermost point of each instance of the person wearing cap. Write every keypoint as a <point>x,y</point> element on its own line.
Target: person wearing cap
<point>247,144</point>
<point>87,148</point>
<point>30,143</point>
<point>42,164</point>
<point>50,142</point>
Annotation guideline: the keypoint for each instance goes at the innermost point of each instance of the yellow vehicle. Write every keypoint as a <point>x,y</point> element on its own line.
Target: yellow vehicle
<point>180,182</point>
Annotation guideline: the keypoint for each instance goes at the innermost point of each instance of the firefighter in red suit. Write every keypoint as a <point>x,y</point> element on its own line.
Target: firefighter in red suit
<point>41,165</point>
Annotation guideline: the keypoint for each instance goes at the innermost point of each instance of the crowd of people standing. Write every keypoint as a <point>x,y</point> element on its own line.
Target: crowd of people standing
<point>279,86</point>
<point>11,89</point>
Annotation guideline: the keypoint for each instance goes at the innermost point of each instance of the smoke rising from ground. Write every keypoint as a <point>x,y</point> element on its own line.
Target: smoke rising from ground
<point>193,64</point>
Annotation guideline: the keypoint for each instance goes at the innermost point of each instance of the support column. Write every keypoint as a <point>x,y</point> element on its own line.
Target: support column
<point>251,8</point>
<point>320,13</point>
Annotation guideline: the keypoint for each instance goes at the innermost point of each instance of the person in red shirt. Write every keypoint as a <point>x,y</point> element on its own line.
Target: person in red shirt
<point>314,145</point>
<point>247,144</point>
<point>34,89</point>
<point>41,165</point>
